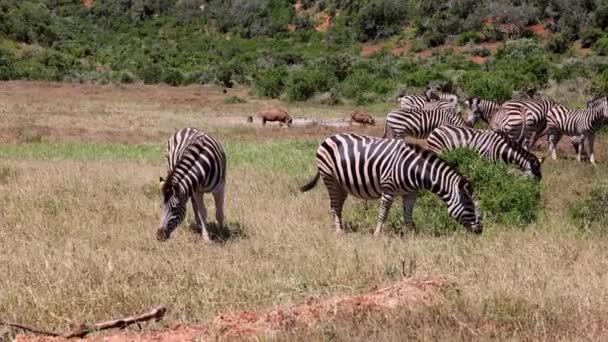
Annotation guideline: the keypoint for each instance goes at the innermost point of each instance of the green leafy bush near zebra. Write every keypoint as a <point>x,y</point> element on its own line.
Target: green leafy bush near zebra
<point>505,197</point>
<point>591,213</point>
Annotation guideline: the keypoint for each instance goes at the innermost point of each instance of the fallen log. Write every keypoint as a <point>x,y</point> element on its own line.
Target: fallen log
<point>157,314</point>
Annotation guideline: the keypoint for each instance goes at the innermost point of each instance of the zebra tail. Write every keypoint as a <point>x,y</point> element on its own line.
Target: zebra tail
<point>310,185</point>
<point>387,131</point>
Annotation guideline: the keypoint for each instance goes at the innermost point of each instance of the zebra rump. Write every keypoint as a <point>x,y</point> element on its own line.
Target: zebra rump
<point>372,168</point>
<point>488,144</point>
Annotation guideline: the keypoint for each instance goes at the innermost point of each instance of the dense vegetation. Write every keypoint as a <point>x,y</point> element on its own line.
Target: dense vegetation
<point>274,48</point>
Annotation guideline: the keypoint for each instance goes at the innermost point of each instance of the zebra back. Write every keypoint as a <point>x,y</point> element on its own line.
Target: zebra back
<point>600,101</point>
<point>418,123</point>
<point>195,161</point>
<point>490,145</point>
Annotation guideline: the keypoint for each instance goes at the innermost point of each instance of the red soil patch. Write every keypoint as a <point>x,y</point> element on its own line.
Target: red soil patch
<point>540,30</point>
<point>88,3</point>
<point>478,59</point>
<point>410,293</point>
<point>403,48</point>
<point>371,49</point>
<point>325,24</point>
<point>291,27</point>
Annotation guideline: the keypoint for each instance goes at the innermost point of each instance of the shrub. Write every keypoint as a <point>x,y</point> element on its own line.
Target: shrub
<point>173,77</point>
<point>504,196</point>
<point>487,86</point>
<point>126,77</point>
<point>151,74</point>
<point>7,65</point>
<point>600,16</point>
<point>433,38</point>
<point>590,36</point>
<point>591,213</point>
<point>481,52</point>
<point>422,77</point>
<point>601,46</point>
<point>521,49</point>
<point>600,84</point>
<point>559,43</point>
<point>379,19</point>
<point>304,83</point>
<point>468,37</point>
<point>270,83</point>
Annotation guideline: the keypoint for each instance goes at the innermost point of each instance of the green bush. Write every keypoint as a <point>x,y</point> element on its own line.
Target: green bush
<point>591,213</point>
<point>126,77</point>
<point>468,37</point>
<point>590,36</point>
<point>270,83</point>
<point>599,86</point>
<point>505,196</point>
<point>7,65</point>
<point>559,43</point>
<point>433,38</point>
<point>304,83</point>
<point>173,77</point>
<point>521,49</point>
<point>379,19</point>
<point>486,85</point>
<point>151,74</point>
<point>601,46</point>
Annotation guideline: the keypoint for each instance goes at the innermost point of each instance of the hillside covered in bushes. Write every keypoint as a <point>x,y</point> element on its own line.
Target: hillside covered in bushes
<point>329,50</point>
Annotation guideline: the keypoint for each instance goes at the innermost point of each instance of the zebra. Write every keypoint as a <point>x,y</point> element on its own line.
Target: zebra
<point>196,164</point>
<point>372,168</point>
<point>429,101</point>
<point>481,109</point>
<point>418,123</point>
<point>575,122</point>
<point>488,144</point>
<point>591,104</point>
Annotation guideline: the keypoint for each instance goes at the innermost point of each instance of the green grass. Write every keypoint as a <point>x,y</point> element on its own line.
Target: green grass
<point>294,157</point>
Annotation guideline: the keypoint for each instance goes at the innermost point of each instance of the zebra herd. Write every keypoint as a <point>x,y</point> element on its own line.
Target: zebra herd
<point>387,167</point>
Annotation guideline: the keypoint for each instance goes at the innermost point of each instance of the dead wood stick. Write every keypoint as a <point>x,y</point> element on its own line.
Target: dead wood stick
<point>156,314</point>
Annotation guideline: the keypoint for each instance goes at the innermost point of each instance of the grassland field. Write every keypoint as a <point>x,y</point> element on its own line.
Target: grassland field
<point>79,168</point>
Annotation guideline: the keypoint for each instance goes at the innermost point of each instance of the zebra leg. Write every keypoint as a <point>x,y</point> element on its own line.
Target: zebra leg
<point>200,214</point>
<point>337,196</point>
<point>385,207</point>
<point>408,210</point>
<point>590,141</point>
<point>554,138</point>
<point>218,197</point>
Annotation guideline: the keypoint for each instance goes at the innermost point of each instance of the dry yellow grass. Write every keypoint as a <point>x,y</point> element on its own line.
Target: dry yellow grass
<point>77,240</point>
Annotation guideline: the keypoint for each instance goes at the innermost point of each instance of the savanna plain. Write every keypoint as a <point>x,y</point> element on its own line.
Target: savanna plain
<point>79,208</point>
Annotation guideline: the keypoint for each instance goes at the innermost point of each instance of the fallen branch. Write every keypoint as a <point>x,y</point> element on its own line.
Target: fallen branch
<point>157,314</point>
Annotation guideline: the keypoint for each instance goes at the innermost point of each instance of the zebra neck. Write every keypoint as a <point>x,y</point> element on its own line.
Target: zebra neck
<point>487,112</point>
<point>427,173</point>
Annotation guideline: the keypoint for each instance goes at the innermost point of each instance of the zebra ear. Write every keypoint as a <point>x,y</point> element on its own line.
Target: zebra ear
<point>542,160</point>
<point>161,184</point>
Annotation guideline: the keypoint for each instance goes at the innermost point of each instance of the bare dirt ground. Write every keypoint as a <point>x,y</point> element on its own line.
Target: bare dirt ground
<point>410,294</point>
<point>33,111</point>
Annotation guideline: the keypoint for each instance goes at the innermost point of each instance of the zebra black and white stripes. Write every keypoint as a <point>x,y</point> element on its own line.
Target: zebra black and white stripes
<point>575,122</point>
<point>371,168</point>
<point>481,109</point>
<point>418,123</point>
<point>488,144</point>
<point>432,100</point>
<point>196,164</point>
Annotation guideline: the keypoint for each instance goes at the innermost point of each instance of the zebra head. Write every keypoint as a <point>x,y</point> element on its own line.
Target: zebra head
<point>475,112</point>
<point>534,168</point>
<point>464,207</point>
<point>431,94</point>
<point>173,204</point>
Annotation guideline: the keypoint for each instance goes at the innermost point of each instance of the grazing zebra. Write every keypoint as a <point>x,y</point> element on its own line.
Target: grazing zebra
<point>418,123</point>
<point>488,144</point>
<point>481,109</point>
<point>575,122</point>
<point>196,164</point>
<point>371,168</point>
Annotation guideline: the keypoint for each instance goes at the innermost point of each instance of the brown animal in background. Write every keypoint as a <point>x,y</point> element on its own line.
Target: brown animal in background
<point>275,114</point>
<point>362,118</point>
<point>250,118</point>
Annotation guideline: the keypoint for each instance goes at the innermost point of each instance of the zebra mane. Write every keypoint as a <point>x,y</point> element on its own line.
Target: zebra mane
<point>517,147</point>
<point>432,157</point>
<point>167,187</point>
<point>599,97</point>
